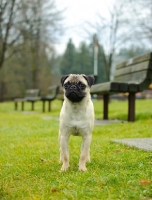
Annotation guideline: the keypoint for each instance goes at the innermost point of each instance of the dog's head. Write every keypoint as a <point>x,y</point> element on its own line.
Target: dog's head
<point>76,86</point>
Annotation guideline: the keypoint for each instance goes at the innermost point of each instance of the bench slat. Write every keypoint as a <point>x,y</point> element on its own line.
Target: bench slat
<point>133,69</point>
<point>133,77</point>
<point>134,60</point>
<point>104,87</point>
<point>32,93</point>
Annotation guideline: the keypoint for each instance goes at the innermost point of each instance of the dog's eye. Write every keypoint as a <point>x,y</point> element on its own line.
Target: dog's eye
<point>82,86</point>
<point>66,85</point>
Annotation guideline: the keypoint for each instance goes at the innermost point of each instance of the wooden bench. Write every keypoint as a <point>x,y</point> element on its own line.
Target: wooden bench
<point>31,95</point>
<point>52,94</point>
<point>132,76</point>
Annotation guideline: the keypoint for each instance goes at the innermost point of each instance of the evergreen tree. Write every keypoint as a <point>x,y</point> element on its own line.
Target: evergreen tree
<point>68,59</point>
<point>84,60</point>
<point>81,60</point>
<point>103,74</point>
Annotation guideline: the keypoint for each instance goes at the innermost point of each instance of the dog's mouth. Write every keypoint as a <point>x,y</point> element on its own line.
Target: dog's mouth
<point>74,96</point>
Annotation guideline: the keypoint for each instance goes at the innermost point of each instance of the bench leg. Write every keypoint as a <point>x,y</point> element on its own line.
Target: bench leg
<point>105,106</point>
<point>32,108</point>
<point>43,106</point>
<point>15,105</point>
<point>22,105</point>
<point>131,107</point>
<point>49,106</point>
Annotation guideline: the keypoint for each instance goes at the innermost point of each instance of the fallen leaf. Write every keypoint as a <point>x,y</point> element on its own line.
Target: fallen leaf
<point>145,182</point>
<point>54,190</point>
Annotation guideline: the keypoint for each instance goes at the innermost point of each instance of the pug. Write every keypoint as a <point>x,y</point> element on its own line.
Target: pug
<point>76,117</point>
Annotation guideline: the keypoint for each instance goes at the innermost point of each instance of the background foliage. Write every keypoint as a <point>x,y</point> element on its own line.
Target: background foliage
<point>30,29</point>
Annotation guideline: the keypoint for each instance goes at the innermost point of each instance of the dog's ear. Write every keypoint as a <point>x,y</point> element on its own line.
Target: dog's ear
<point>89,79</point>
<point>63,78</point>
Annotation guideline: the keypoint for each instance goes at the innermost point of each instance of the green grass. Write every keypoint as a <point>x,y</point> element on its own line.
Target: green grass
<point>29,153</point>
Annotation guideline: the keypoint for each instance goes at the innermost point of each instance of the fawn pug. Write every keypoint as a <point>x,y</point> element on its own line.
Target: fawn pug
<point>76,117</point>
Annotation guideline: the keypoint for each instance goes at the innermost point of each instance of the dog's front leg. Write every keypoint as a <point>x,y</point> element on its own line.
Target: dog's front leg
<point>64,152</point>
<point>85,152</point>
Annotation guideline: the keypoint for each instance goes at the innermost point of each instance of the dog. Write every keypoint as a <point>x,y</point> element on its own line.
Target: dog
<point>76,117</point>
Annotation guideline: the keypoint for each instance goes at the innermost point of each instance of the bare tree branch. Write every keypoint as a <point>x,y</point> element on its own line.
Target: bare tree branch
<point>7,27</point>
<point>122,27</point>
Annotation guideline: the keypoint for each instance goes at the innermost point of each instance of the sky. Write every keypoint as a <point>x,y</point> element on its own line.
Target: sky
<point>77,12</point>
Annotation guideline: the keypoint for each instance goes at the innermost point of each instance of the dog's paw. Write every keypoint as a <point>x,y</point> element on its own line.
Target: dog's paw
<point>82,168</point>
<point>64,167</point>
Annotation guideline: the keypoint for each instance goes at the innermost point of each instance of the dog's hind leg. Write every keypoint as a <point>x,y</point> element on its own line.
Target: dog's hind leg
<point>85,152</point>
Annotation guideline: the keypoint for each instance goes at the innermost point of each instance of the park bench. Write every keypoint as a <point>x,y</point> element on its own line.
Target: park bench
<point>52,94</point>
<point>31,95</point>
<point>132,76</point>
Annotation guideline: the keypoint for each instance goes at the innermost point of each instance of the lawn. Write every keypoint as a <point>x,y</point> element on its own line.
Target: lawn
<point>29,154</point>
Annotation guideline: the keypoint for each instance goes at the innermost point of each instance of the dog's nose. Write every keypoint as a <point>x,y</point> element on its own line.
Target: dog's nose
<point>73,87</point>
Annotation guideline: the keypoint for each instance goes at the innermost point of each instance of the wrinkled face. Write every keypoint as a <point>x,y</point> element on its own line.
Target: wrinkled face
<point>76,86</point>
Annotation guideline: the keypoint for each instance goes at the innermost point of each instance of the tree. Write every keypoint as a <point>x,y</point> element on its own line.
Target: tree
<point>76,60</point>
<point>103,74</point>
<point>68,59</point>
<point>38,24</point>
<point>39,21</point>
<point>7,14</point>
<point>142,14</point>
<point>80,60</point>
<point>114,31</point>
<point>84,59</point>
